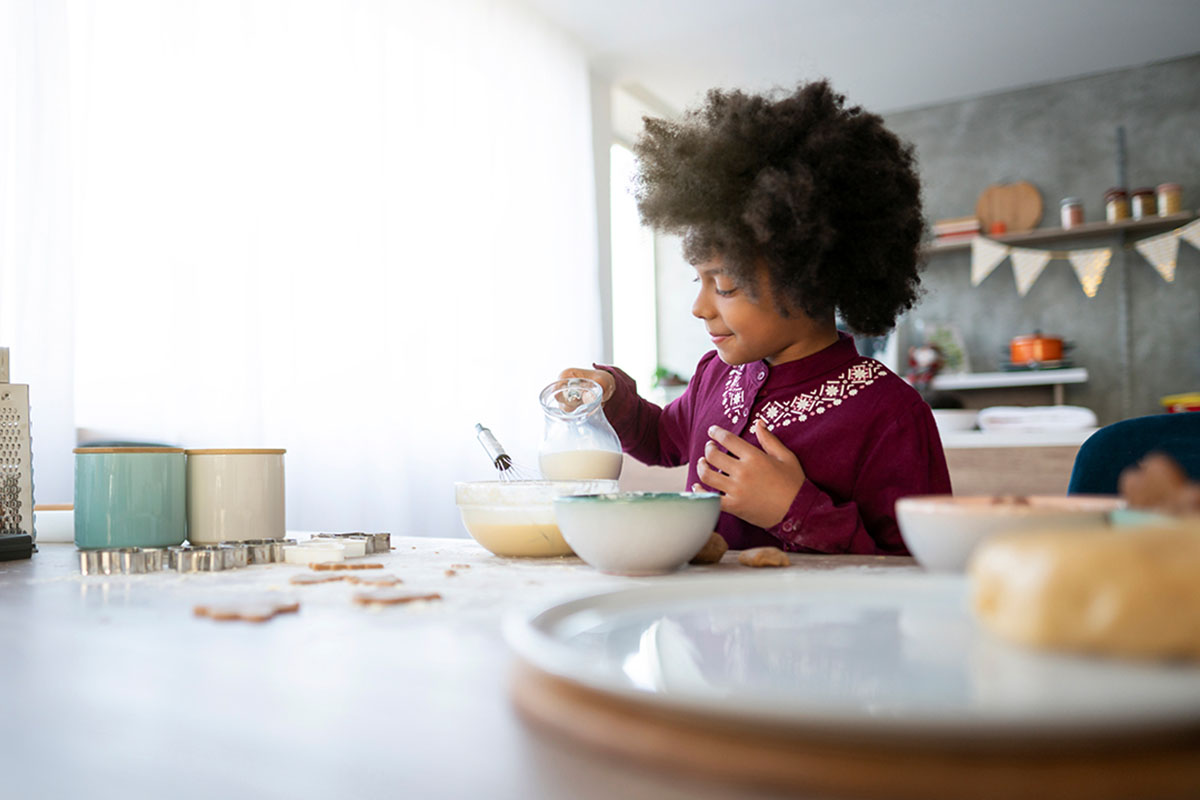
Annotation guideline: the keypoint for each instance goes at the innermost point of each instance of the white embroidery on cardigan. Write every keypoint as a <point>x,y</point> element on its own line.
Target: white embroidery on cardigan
<point>830,394</point>
<point>733,401</point>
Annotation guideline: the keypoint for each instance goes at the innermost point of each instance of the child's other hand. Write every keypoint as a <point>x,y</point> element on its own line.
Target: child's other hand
<point>605,379</point>
<point>758,485</point>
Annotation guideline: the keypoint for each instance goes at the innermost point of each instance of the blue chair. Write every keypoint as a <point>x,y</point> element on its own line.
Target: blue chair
<point>1111,449</point>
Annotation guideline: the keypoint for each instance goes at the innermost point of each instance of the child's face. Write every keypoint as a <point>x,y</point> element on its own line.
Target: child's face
<point>745,329</point>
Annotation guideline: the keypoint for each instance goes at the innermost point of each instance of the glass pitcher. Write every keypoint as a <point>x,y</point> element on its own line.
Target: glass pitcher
<point>579,443</point>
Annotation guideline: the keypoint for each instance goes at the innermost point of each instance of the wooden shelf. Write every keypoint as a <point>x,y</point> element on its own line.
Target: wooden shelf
<point>1054,378</point>
<point>1005,380</point>
<point>1087,230</point>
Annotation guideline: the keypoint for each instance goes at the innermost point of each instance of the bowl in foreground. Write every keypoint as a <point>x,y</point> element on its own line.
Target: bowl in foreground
<point>517,518</point>
<point>638,533</point>
<point>942,531</point>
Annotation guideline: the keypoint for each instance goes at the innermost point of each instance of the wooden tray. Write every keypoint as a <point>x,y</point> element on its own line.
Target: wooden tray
<point>1139,768</point>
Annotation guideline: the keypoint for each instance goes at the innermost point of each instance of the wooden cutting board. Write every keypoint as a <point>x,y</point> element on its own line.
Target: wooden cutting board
<point>750,756</point>
<point>1017,205</point>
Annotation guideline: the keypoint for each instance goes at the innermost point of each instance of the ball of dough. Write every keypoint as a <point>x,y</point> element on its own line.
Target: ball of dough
<point>712,551</point>
<point>764,557</point>
<point>1130,592</point>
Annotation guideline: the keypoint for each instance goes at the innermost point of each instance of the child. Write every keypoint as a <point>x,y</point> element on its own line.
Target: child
<point>791,209</point>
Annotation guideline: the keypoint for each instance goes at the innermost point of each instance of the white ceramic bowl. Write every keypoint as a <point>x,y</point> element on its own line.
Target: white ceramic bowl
<point>638,533</point>
<point>517,518</point>
<point>942,531</point>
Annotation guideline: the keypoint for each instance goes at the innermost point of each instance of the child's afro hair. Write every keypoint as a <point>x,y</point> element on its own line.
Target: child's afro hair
<point>824,196</point>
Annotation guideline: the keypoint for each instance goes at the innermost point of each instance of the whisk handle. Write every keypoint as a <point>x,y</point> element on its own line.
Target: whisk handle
<point>500,459</point>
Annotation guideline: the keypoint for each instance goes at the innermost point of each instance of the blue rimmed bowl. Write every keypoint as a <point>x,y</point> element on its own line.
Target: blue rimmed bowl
<point>637,533</point>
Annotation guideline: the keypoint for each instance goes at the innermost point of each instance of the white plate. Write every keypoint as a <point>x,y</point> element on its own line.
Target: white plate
<point>853,654</point>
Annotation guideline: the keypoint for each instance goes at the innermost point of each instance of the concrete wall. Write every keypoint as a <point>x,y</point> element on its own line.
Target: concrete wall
<point>1062,138</point>
<point>1140,336</point>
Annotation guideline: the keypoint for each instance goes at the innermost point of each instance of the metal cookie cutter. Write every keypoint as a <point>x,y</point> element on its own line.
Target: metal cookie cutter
<point>259,551</point>
<point>112,561</point>
<point>277,546</point>
<point>202,558</point>
<point>156,558</point>
<point>237,554</point>
<point>383,542</point>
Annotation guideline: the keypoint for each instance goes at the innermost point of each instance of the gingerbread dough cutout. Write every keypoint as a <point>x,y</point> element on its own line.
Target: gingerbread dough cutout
<point>248,611</point>
<point>373,579</point>
<point>308,579</point>
<point>764,557</point>
<point>392,598</point>
<point>712,551</point>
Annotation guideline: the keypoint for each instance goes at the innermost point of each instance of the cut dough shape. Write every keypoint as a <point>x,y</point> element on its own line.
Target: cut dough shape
<point>308,579</point>
<point>764,557</point>
<point>336,565</point>
<point>1128,592</point>
<point>1159,483</point>
<point>247,611</point>
<point>372,579</point>
<point>712,550</point>
<point>392,598</point>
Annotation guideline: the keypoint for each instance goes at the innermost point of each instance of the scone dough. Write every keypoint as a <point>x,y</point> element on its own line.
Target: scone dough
<point>712,550</point>
<point>764,557</point>
<point>1130,592</point>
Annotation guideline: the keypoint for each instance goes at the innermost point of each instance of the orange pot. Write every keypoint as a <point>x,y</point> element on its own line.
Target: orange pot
<point>1035,348</point>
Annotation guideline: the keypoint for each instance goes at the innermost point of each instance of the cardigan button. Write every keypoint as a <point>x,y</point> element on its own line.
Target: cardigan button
<point>762,375</point>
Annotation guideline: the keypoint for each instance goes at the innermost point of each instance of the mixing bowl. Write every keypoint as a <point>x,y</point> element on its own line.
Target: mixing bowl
<point>638,533</point>
<point>517,518</point>
<point>941,531</point>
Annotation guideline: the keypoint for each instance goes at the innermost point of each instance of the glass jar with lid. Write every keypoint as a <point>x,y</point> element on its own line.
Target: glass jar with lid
<point>1072,212</point>
<point>1170,199</point>
<point>1116,205</point>
<point>1142,204</point>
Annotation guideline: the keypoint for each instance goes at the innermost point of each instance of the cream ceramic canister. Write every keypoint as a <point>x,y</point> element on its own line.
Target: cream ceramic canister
<point>234,495</point>
<point>129,497</point>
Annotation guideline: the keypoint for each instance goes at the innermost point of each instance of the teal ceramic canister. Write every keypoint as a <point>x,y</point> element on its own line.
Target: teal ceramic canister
<point>130,497</point>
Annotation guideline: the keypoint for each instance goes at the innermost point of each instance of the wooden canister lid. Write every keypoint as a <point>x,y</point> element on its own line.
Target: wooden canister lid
<point>236,452</point>
<point>99,450</point>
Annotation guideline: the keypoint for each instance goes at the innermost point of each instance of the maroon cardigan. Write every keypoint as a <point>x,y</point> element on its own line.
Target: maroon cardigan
<point>863,436</point>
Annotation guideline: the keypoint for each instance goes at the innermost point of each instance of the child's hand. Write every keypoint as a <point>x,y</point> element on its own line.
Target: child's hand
<point>605,379</point>
<point>758,485</point>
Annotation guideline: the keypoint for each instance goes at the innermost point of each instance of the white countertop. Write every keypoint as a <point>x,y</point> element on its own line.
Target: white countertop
<point>114,689</point>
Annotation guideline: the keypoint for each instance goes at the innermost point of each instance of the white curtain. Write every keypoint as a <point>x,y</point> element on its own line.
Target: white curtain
<point>352,229</point>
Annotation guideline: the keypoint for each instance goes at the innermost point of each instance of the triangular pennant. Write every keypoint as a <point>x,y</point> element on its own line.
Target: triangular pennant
<point>1191,233</point>
<point>1161,251</point>
<point>986,255</point>
<point>1027,266</point>
<point>1089,267</point>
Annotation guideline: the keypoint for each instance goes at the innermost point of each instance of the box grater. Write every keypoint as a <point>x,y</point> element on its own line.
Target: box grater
<point>16,470</point>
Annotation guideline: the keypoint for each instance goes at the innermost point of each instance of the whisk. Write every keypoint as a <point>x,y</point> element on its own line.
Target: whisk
<point>501,460</point>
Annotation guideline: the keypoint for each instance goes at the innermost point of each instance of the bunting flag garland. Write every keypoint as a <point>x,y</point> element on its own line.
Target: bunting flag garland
<point>1089,267</point>
<point>1027,266</point>
<point>1162,252</point>
<point>1190,233</point>
<point>986,255</point>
